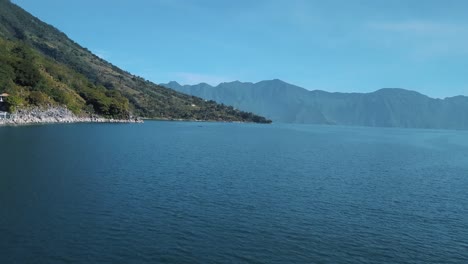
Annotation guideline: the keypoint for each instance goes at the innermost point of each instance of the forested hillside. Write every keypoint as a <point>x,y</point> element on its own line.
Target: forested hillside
<point>41,65</point>
<point>31,79</point>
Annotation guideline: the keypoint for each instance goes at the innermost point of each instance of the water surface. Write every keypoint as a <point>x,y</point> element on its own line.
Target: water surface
<point>175,192</point>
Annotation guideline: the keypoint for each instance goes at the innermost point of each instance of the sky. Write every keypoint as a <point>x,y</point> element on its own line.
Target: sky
<point>333,45</point>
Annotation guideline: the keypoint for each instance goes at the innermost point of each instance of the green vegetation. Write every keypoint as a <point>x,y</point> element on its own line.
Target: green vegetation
<point>44,67</point>
<point>32,79</point>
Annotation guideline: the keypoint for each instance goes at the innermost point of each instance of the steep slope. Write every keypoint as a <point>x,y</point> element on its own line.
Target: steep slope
<point>144,98</point>
<point>283,102</point>
<point>32,79</point>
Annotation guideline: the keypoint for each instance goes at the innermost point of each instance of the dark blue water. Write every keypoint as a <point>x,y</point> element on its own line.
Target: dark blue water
<point>173,192</point>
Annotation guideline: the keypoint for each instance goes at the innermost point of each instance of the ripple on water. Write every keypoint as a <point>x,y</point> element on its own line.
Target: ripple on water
<point>177,193</point>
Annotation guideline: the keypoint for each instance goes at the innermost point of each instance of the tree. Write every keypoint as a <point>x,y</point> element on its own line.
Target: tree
<point>26,74</point>
<point>37,98</point>
<point>13,102</point>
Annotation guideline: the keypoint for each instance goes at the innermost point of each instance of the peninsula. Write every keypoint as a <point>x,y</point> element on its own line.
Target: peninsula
<point>46,73</point>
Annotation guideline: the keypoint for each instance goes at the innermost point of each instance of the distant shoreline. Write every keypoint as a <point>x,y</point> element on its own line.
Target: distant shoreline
<point>61,115</point>
<point>197,120</point>
<point>4,123</point>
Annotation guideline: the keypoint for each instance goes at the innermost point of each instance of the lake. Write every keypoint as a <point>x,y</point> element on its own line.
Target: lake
<point>182,192</point>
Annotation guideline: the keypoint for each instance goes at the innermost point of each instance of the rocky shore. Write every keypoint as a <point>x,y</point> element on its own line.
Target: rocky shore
<point>56,115</point>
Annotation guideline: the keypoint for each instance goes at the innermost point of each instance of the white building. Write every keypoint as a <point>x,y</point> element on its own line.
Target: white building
<point>3,96</point>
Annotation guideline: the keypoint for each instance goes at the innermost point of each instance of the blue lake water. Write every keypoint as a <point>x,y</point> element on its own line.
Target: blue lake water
<point>175,192</point>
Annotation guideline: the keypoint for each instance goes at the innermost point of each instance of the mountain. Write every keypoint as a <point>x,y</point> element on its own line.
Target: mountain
<point>283,102</point>
<point>42,66</point>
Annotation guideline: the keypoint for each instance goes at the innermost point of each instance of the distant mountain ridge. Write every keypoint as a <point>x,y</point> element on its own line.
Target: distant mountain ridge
<point>284,102</point>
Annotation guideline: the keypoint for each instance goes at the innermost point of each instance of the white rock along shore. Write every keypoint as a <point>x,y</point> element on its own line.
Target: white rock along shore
<point>56,115</point>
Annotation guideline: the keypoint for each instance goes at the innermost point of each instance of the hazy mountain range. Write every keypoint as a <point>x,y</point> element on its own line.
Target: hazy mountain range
<point>283,102</point>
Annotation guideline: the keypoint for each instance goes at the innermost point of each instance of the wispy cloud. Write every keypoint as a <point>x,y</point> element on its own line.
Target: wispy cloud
<point>422,39</point>
<point>103,54</point>
<point>420,27</point>
<point>196,78</point>
<point>177,4</point>
<point>158,76</point>
<point>296,14</point>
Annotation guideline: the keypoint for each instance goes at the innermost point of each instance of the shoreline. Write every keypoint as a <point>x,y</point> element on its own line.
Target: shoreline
<point>61,115</point>
<point>57,115</point>
<point>201,121</point>
<point>9,122</point>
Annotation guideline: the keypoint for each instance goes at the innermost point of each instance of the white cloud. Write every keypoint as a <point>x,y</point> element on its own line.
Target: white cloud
<point>105,55</point>
<point>420,27</point>
<point>421,39</point>
<point>196,78</point>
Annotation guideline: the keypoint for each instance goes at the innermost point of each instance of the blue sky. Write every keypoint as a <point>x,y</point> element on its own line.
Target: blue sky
<point>340,46</point>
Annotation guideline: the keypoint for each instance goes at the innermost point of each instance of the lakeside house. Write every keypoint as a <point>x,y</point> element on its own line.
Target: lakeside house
<point>3,97</point>
<point>3,115</point>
